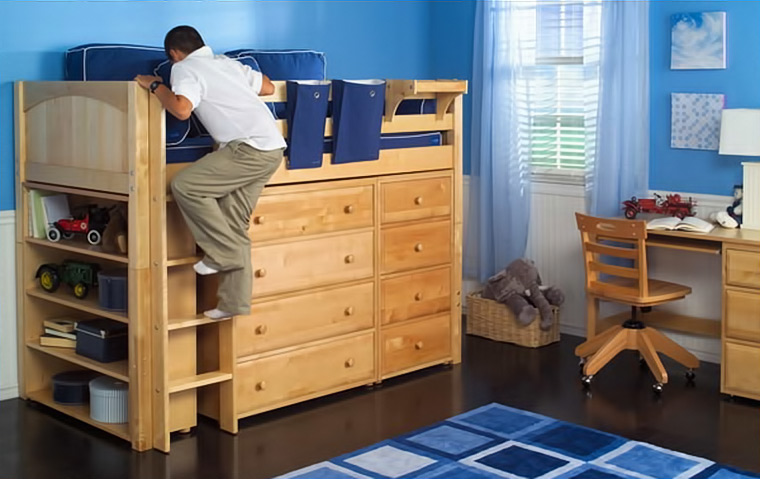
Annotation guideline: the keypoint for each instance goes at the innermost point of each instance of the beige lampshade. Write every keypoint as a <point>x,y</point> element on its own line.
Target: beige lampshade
<point>740,132</point>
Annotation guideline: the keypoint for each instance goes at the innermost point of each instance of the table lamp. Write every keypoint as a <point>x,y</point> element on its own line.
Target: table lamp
<point>740,135</point>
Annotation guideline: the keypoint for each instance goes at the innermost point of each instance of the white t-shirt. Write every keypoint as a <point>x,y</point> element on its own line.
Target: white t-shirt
<point>224,94</point>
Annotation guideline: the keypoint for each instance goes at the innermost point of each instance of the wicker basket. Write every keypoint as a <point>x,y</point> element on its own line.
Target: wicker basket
<point>493,320</point>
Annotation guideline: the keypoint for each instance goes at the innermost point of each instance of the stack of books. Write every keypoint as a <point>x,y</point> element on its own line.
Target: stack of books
<point>59,333</point>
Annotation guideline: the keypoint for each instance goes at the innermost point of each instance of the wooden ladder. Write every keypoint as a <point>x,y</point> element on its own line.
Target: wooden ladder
<point>193,357</point>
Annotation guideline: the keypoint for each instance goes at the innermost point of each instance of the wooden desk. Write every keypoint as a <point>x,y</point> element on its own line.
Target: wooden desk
<point>739,329</point>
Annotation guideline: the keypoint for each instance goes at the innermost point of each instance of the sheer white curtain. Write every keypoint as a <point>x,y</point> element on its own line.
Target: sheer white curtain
<point>621,166</point>
<point>535,69</point>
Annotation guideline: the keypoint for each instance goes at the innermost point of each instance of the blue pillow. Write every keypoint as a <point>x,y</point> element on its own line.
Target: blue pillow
<point>111,62</point>
<point>286,64</point>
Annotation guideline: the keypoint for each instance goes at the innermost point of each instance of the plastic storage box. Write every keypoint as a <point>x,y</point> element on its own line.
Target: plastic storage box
<point>112,292</point>
<point>72,387</point>
<point>109,400</point>
<point>103,340</point>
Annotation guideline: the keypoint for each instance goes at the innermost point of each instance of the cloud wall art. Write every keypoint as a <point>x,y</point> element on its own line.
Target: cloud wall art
<point>698,41</point>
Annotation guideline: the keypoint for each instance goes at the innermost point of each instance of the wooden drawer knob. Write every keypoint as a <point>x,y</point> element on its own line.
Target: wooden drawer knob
<point>418,201</point>
<point>419,345</point>
<point>350,362</point>
<point>258,220</point>
<point>262,329</point>
<point>260,273</point>
<point>349,259</point>
<point>349,209</point>
<point>418,296</point>
<point>349,311</point>
<point>418,247</point>
<point>261,385</point>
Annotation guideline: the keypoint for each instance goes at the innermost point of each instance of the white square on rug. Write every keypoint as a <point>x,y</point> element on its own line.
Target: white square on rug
<point>390,461</point>
<point>695,120</point>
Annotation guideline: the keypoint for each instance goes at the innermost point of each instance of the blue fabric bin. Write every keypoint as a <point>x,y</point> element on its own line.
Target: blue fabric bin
<point>357,119</point>
<point>306,115</point>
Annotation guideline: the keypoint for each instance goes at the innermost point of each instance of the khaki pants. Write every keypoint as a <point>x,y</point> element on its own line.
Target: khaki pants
<point>217,195</point>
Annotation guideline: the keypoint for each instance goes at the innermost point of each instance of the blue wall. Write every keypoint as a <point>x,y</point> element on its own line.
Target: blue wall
<point>697,171</point>
<point>452,32</point>
<point>382,39</point>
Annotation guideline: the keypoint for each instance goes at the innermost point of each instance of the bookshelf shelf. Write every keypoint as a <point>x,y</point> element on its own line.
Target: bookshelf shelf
<point>80,247</point>
<point>45,396</point>
<point>117,369</point>
<point>65,298</point>
<point>32,185</point>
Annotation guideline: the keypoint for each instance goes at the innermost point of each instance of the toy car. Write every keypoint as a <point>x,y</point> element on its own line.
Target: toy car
<point>91,224</point>
<point>79,275</point>
<point>671,205</point>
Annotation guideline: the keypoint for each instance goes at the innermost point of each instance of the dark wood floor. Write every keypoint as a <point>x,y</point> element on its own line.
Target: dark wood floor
<point>35,442</point>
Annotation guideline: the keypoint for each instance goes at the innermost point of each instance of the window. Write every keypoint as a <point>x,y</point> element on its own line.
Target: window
<point>559,49</point>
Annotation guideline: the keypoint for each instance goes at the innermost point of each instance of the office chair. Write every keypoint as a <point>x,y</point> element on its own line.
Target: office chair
<point>626,284</point>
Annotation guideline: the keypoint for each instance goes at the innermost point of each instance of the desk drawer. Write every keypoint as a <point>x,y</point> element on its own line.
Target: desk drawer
<point>321,211</point>
<point>743,268</point>
<point>298,265</point>
<point>287,377</point>
<point>304,318</point>
<point>415,246</point>
<point>415,199</point>
<point>741,374</point>
<point>410,345</point>
<point>742,315</point>
<point>415,295</point>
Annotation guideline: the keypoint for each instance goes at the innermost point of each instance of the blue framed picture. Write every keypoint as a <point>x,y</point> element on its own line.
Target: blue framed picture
<point>698,41</point>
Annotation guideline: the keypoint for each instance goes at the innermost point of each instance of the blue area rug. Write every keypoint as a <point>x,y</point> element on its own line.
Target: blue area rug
<point>496,441</point>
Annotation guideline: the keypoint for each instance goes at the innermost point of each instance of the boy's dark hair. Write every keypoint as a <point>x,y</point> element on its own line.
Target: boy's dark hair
<point>183,38</point>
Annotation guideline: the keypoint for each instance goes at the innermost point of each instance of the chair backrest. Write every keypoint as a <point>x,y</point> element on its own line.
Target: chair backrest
<point>596,236</point>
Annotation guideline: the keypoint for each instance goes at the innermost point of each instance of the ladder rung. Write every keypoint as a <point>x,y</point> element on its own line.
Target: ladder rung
<point>200,320</point>
<point>198,381</point>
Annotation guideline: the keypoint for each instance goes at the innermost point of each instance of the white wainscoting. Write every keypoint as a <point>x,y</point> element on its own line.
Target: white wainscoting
<point>8,368</point>
<point>554,244</point>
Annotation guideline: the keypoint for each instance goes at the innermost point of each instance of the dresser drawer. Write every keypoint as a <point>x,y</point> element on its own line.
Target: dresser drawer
<point>742,315</point>
<point>304,213</point>
<point>304,318</point>
<point>288,377</point>
<point>410,345</point>
<point>415,295</point>
<point>743,268</point>
<point>741,374</point>
<point>304,264</point>
<point>415,246</point>
<point>415,199</point>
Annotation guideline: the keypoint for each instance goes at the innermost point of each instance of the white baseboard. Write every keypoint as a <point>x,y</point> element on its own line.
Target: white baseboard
<point>8,362</point>
<point>8,392</point>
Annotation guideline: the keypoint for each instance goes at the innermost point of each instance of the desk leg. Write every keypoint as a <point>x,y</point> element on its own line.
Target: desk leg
<point>592,314</point>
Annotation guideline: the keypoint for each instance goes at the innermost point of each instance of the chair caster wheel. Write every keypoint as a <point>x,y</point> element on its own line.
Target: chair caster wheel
<point>586,380</point>
<point>581,364</point>
<point>657,388</point>
<point>690,375</point>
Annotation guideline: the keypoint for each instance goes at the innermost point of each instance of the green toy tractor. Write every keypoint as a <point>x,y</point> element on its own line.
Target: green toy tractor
<point>79,275</point>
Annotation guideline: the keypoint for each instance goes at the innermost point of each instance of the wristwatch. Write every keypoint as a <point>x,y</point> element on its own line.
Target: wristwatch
<point>154,86</point>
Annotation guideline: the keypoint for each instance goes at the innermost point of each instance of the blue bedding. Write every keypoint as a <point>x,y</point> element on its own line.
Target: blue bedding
<point>186,140</point>
<point>194,148</point>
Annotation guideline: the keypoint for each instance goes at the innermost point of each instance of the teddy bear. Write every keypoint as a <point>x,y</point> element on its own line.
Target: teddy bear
<point>518,286</point>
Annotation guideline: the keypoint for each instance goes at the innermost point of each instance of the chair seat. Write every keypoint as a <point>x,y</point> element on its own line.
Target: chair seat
<point>626,291</point>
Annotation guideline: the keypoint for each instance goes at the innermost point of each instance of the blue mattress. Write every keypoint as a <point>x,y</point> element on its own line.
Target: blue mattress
<point>194,148</point>
<point>407,107</point>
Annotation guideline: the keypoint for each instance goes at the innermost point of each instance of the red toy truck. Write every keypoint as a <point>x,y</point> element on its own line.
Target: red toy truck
<point>671,205</point>
<point>91,224</point>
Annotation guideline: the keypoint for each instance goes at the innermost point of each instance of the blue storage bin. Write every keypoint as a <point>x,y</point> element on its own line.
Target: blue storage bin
<point>357,119</point>
<point>306,115</point>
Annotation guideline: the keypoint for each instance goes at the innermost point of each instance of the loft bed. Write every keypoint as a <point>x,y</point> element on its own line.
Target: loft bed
<point>347,231</point>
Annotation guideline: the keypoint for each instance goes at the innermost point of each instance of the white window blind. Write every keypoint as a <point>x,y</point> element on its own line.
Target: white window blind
<point>558,81</point>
